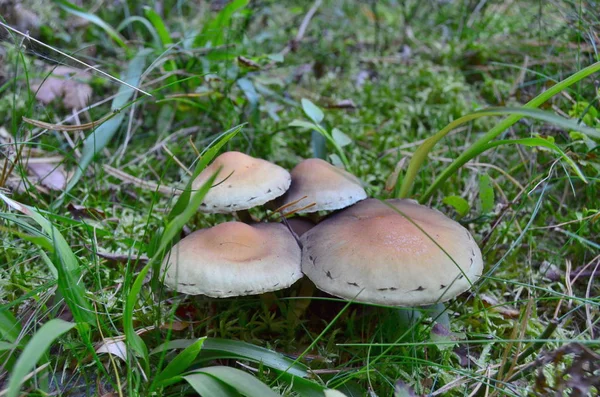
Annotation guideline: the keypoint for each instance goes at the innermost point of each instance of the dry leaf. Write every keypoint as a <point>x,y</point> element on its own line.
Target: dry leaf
<point>80,211</point>
<point>114,346</point>
<point>67,83</point>
<point>175,325</point>
<point>53,176</point>
<point>495,306</point>
<point>342,104</point>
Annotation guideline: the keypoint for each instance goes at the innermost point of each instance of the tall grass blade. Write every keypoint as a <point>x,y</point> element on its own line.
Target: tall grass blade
<point>10,327</point>
<point>214,32</point>
<point>134,341</point>
<point>241,381</point>
<point>215,348</point>
<point>421,153</point>
<point>66,265</point>
<point>208,386</point>
<point>178,365</point>
<point>102,135</point>
<point>81,13</point>
<point>34,351</point>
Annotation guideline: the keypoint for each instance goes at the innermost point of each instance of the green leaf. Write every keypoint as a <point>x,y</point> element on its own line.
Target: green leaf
<point>249,91</point>
<point>102,135</point>
<point>208,386</point>
<point>303,124</point>
<point>146,23</point>
<point>214,32</point>
<point>81,13</point>
<point>278,57</point>
<point>318,143</point>
<point>4,346</point>
<point>340,138</point>
<point>486,193</point>
<point>159,25</point>
<point>241,381</point>
<point>460,205</point>
<point>241,350</point>
<point>10,327</point>
<point>66,265</point>
<point>178,365</point>
<point>333,393</point>
<point>33,352</point>
<point>533,142</point>
<point>312,111</point>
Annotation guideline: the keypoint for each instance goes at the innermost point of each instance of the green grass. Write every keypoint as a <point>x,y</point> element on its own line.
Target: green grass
<point>487,111</point>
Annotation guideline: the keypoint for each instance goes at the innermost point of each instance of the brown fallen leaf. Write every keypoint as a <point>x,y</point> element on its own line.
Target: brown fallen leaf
<point>66,83</point>
<point>497,307</point>
<point>175,325</point>
<point>342,104</point>
<point>53,176</point>
<point>80,211</point>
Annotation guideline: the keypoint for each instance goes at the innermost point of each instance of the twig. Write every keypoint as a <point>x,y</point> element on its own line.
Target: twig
<point>293,44</point>
<point>28,37</point>
<point>125,177</point>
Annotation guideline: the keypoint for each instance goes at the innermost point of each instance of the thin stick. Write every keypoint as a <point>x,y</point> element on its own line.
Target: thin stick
<point>27,36</point>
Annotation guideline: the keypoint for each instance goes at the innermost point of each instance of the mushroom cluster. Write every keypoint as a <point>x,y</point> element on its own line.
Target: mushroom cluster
<point>394,252</point>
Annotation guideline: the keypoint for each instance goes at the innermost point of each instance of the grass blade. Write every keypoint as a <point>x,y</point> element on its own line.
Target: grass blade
<point>208,386</point>
<point>533,142</point>
<point>214,32</point>
<point>66,264</point>
<point>241,381</point>
<point>173,228</point>
<point>81,13</point>
<point>180,363</point>
<point>102,135</point>
<point>217,347</point>
<point>35,349</point>
<point>421,153</point>
<point>10,328</point>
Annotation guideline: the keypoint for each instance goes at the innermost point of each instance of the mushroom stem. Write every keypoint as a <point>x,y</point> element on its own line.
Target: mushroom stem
<point>306,290</point>
<point>244,216</point>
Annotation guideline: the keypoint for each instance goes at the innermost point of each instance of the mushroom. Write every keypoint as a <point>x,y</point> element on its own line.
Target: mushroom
<point>244,182</point>
<point>396,253</point>
<point>233,259</point>
<point>299,225</point>
<point>328,187</point>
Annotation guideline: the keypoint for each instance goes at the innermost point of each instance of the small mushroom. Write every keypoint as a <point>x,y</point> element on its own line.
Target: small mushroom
<point>233,259</point>
<point>244,182</point>
<point>372,253</point>
<point>328,187</point>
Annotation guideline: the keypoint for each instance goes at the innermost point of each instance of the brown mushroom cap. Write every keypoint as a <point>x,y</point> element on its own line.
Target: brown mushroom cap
<point>234,259</point>
<point>371,253</point>
<point>244,182</point>
<point>329,187</point>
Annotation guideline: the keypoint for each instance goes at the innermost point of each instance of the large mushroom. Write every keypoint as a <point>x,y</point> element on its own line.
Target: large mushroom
<point>244,182</point>
<point>324,185</point>
<point>233,259</point>
<point>396,253</point>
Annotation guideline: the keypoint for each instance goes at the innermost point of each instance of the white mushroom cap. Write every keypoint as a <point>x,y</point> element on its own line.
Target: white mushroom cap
<point>234,259</point>
<point>371,253</point>
<point>244,182</point>
<point>329,187</point>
